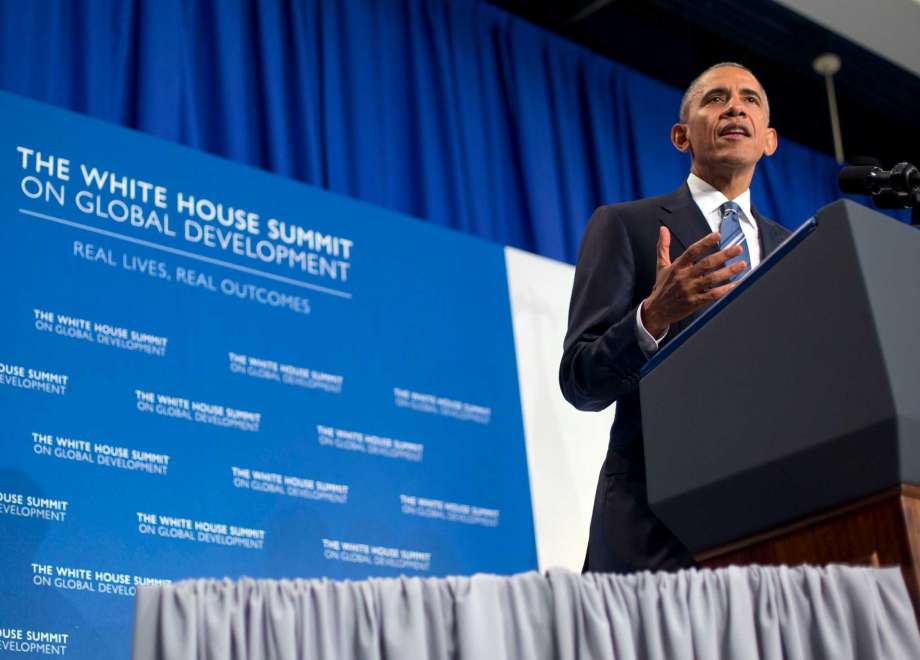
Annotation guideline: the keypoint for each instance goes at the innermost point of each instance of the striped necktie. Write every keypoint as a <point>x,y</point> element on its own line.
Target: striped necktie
<point>730,234</point>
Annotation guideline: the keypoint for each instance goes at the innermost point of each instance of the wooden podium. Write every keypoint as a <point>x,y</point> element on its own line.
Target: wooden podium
<point>880,530</point>
<point>783,425</point>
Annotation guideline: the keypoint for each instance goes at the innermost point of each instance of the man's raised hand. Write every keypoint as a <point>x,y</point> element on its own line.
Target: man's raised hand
<point>690,282</point>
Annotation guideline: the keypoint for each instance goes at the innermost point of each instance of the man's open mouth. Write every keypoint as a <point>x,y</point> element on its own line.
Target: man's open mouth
<point>734,130</point>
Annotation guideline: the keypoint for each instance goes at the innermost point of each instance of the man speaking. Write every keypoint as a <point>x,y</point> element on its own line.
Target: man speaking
<point>645,270</point>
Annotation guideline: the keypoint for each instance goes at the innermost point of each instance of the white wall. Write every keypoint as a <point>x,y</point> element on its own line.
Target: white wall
<point>565,447</point>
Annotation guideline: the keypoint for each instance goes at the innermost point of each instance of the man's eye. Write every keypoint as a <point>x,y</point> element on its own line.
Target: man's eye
<point>754,99</point>
<point>716,98</point>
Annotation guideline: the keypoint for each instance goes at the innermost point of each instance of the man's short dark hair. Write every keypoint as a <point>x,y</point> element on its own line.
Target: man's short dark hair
<point>693,87</point>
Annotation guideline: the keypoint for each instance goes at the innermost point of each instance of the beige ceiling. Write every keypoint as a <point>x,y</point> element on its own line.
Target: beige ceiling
<point>889,28</point>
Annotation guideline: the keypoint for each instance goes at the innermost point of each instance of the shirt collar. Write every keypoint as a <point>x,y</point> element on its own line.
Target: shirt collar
<point>709,199</point>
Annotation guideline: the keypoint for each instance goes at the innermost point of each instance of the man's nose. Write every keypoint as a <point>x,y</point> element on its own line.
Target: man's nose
<point>734,108</point>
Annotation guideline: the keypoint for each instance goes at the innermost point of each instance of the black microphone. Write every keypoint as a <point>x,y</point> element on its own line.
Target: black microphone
<point>898,187</point>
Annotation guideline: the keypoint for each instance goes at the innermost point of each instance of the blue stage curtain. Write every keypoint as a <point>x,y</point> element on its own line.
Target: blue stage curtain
<point>449,110</point>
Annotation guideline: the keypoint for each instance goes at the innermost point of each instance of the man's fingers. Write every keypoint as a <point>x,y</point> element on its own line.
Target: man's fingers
<point>696,251</point>
<point>717,277</point>
<point>717,292</point>
<point>664,248</point>
<point>716,260</point>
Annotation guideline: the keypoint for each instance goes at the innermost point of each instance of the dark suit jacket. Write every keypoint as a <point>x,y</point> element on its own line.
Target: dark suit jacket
<point>615,272</point>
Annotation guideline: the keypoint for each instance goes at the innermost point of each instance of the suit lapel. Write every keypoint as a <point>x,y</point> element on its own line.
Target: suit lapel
<point>680,214</point>
<point>769,238</point>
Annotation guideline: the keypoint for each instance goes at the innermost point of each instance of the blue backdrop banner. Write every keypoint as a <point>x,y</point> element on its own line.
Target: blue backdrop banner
<point>206,370</point>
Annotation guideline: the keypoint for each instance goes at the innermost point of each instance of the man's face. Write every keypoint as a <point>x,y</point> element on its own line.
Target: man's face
<point>726,127</point>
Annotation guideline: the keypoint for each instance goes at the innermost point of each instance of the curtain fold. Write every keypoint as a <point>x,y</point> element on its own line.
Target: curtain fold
<point>452,111</point>
<point>756,613</point>
<point>480,617</point>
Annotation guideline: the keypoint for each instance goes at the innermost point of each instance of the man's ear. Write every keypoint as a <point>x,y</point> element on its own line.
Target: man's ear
<point>771,143</point>
<point>680,137</point>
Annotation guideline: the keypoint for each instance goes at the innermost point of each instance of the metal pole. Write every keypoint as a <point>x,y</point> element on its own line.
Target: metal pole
<point>835,118</point>
<point>827,65</point>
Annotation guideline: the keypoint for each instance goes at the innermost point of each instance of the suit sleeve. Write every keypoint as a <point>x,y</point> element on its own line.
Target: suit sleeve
<point>601,356</point>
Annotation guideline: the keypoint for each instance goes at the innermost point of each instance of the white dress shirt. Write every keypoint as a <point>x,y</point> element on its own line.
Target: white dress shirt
<point>708,200</point>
